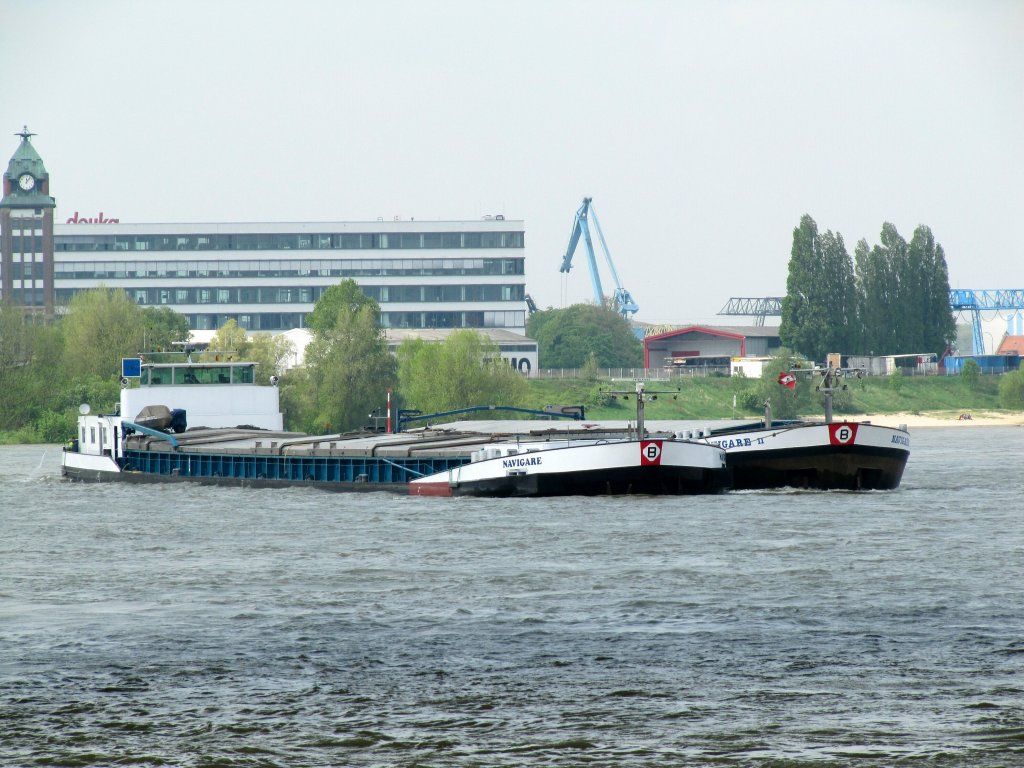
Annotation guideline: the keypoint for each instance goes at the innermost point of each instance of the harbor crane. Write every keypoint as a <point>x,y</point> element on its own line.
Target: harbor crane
<point>623,301</point>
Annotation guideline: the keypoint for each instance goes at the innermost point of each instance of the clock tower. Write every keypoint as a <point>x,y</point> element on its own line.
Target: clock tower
<point>26,231</point>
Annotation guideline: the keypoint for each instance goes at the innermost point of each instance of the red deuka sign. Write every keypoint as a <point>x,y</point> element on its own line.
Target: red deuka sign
<point>101,219</point>
<point>842,434</point>
<point>650,452</point>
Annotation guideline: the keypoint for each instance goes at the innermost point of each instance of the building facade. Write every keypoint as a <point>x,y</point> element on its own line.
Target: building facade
<point>264,276</point>
<point>515,349</point>
<point>698,345</point>
<point>267,276</point>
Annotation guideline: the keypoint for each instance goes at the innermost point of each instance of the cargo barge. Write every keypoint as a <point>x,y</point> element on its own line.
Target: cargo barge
<point>239,440</point>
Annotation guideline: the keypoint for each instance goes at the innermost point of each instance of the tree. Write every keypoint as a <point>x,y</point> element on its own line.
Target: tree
<point>819,311</point>
<point>17,350</point>
<point>229,343</point>
<point>938,326</point>
<point>566,338</point>
<point>875,299</point>
<point>102,325</point>
<point>903,322</point>
<point>1011,390</point>
<point>904,294</point>
<point>462,371</point>
<point>162,327</point>
<point>348,362</point>
<point>270,353</point>
<point>785,403</point>
<point>345,298</point>
<point>970,374</point>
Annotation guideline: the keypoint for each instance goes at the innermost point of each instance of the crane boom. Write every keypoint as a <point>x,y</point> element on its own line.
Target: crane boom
<point>625,305</point>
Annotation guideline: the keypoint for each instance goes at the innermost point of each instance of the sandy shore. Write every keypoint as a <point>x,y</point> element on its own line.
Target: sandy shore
<point>941,419</point>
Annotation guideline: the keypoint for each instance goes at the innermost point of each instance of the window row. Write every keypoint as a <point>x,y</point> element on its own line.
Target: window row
<point>272,242</point>
<point>113,270</point>
<point>283,321</point>
<point>28,297</point>
<point>29,270</point>
<point>309,294</point>
<point>199,374</point>
<point>26,243</point>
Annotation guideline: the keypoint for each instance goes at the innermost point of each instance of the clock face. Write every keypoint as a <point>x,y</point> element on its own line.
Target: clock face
<point>26,182</point>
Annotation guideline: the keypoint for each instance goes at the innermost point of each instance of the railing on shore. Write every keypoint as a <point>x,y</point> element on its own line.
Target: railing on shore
<point>702,371</point>
<point>635,374</point>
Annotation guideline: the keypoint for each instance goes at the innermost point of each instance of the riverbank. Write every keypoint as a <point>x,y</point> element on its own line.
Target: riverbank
<point>941,419</point>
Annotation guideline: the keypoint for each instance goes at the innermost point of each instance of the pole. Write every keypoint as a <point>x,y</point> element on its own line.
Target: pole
<point>389,411</point>
<point>639,410</point>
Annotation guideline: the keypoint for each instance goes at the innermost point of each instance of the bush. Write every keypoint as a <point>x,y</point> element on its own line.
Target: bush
<point>750,400</point>
<point>54,427</point>
<point>971,374</point>
<point>598,397</point>
<point>842,400</point>
<point>1011,390</point>
<point>589,371</point>
<point>785,403</point>
<point>896,380</point>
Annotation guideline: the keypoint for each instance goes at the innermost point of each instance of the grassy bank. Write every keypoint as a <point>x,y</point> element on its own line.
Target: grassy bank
<point>712,398</point>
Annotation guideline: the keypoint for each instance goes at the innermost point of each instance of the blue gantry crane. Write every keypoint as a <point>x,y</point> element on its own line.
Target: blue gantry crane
<point>977,301</point>
<point>623,301</point>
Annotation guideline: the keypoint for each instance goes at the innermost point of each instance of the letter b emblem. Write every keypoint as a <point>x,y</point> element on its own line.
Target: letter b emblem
<point>650,452</point>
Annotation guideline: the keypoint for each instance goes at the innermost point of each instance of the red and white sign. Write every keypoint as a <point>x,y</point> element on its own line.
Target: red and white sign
<point>842,434</point>
<point>787,380</point>
<point>650,453</point>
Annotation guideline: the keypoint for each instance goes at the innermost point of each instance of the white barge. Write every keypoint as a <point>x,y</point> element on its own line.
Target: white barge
<point>238,440</point>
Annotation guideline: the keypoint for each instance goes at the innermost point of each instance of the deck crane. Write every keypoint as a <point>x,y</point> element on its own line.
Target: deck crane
<point>624,303</point>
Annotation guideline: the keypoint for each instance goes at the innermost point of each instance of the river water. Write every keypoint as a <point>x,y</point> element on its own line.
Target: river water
<point>191,626</point>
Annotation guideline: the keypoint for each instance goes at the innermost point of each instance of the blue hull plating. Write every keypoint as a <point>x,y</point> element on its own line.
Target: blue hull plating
<point>288,470</point>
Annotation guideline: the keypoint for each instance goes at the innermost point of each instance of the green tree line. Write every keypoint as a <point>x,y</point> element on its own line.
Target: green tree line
<point>890,298</point>
<point>48,370</point>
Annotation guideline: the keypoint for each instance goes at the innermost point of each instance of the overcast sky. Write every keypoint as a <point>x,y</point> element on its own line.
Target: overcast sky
<point>702,130</point>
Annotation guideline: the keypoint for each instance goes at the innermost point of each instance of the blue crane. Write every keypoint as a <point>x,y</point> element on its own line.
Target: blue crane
<point>978,301</point>
<point>624,303</point>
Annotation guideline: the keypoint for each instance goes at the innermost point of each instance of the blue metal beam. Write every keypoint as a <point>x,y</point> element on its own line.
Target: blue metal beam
<point>978,301</point>
<point>125,425</point>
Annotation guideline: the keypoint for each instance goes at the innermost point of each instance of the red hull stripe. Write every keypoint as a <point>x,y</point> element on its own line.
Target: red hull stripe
<point>430,489</point>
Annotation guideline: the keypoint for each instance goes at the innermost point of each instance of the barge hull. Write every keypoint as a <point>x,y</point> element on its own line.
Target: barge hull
<point>75,474</point>
<point>653,481</point>
<point>853,469</point>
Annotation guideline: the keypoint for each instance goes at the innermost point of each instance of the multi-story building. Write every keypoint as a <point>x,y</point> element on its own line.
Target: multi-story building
<point>265,276</point>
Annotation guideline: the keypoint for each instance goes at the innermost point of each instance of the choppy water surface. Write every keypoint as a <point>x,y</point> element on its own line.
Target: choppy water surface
<point>180,625</point>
